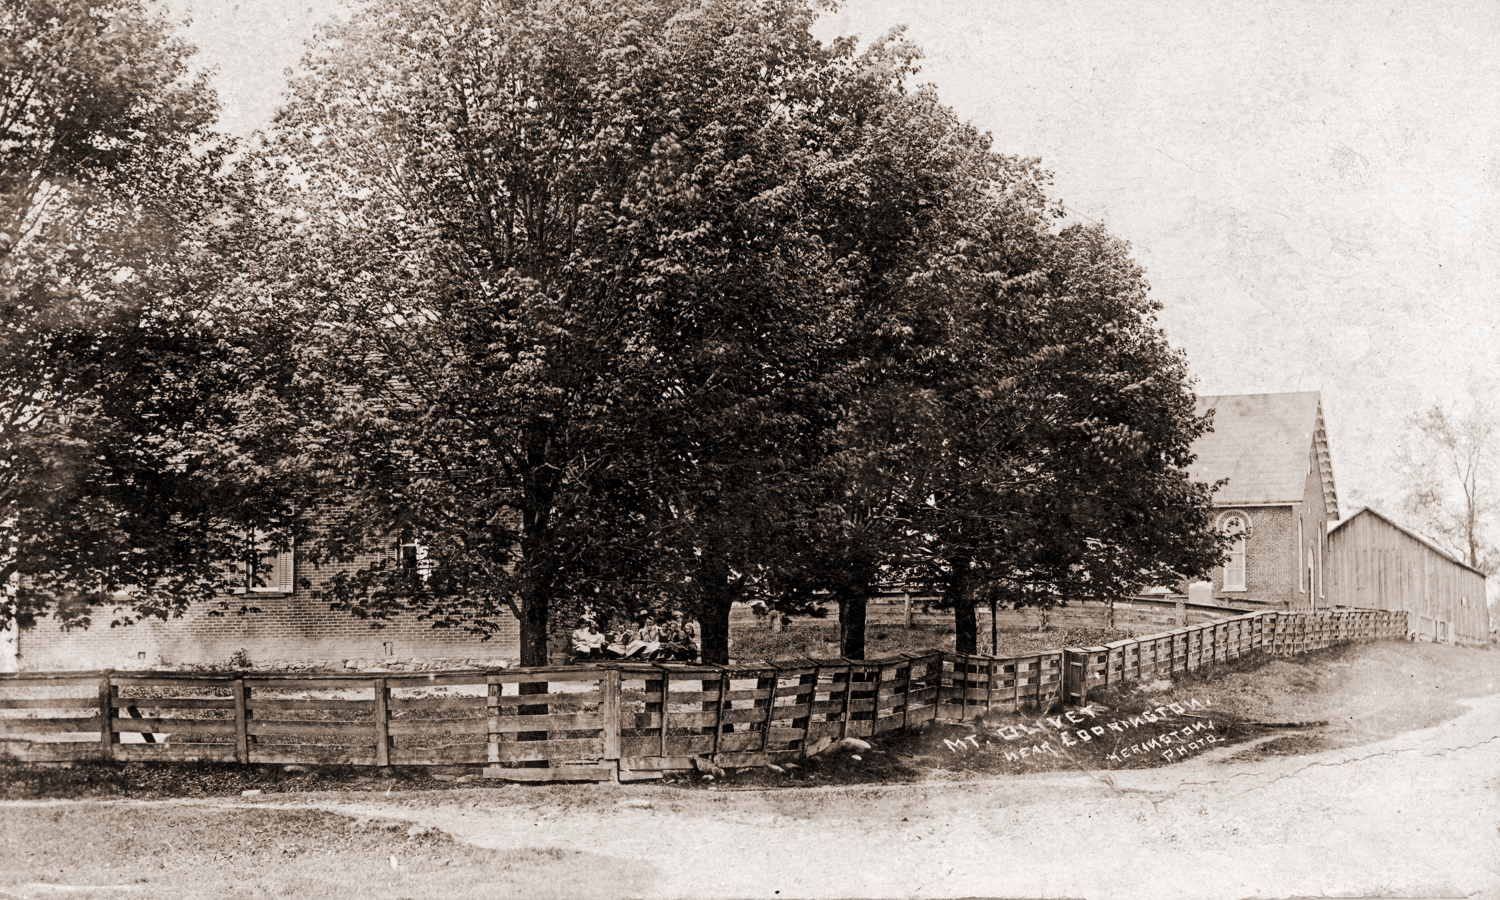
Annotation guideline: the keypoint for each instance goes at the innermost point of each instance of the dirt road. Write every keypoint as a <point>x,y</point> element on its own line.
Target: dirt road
<point>1394,793</point>
<point>1414,816</point>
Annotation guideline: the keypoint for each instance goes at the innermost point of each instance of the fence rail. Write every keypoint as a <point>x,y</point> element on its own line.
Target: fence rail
<point>624,721</point>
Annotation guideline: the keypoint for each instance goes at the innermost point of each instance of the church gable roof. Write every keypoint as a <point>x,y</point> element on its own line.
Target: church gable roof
<point>1260,443</point>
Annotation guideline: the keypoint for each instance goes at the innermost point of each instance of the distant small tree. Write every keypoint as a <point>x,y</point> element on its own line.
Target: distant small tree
<point>1448,461</point>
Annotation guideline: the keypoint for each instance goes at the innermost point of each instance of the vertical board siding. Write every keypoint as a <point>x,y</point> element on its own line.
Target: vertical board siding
<point>1375,564</point>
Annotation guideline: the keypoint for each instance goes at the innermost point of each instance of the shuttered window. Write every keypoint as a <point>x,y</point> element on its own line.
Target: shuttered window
<point>412,556</point>
<point>265,569</point>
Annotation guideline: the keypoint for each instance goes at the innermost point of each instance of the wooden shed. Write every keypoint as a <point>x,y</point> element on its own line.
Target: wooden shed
<point>1373,563</point>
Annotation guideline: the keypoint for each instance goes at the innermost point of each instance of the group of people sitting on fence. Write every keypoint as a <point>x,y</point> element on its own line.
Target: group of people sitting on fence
<point>673,639</point>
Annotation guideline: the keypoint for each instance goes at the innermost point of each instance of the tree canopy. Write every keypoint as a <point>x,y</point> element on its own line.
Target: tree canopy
<point>532,309</point>
<point>565,276</point>
<point>110,204</point>
<point>1071,433</point>
<point>667,302</point>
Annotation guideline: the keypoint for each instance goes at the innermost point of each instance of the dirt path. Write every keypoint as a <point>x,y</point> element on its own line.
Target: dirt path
<point>1413,816</point>
<point>1397,795</point>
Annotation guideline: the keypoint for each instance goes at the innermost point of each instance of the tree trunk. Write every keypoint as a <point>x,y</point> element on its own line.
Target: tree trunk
<point>538,493</point>
<point>994,626</point>
<point>533,638</point>
<point>852,611</point>
<point>713,628</point>
<point>861,577</point>
<point>965,621</point>
<point>536,589</point>
<point>719,588</point>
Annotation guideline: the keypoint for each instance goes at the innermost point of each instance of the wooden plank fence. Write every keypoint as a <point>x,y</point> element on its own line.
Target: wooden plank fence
<point>625,721</point>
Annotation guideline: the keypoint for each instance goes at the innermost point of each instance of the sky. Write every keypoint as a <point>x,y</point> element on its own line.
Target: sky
<point>1312,187</point>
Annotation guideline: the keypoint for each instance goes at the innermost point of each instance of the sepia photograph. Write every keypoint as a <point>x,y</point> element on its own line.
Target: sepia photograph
<point>744,449</point>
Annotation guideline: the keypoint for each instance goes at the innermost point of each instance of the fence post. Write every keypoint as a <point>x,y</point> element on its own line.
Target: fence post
<point>1075,676</point>
<point>848,698</point>
<point>666,685</point>
<point>241,722</point>
<point>937,697</point>
<point>493,691</point>
<point>911,676</point>
<point>1061,677</point>
<point>382,722</point>
<point>719,711</point>
<point>775,682</point>
<point>610,706</point>
<point>1015,683</point>
<point>107,737</point>
<point>989,688</point>
<point>961,684</point>
<point>805,722</point>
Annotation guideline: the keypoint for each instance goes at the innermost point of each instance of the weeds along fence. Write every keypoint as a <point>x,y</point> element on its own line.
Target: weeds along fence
<point>625,721</point>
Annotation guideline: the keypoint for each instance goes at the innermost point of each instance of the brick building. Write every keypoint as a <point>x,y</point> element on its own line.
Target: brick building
<point>1278,497</point>
<point>293,628</point>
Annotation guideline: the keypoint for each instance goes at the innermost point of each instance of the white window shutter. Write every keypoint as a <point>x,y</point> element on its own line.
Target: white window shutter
<point>286,571</point>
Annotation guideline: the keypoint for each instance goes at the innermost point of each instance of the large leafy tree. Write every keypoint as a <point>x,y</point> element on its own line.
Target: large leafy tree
<point>110,207</point>
<point>567,273</point>
<point>1070,428</point>
<point>914,207</point>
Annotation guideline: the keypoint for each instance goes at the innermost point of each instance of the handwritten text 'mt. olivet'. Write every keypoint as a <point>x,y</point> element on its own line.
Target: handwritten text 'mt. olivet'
<point>1062,728</point>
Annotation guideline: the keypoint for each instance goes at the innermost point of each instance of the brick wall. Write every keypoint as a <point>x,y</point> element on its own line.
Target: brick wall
<point>1277,553</point>
<point>292,630</point>
<point>1270,580</point>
